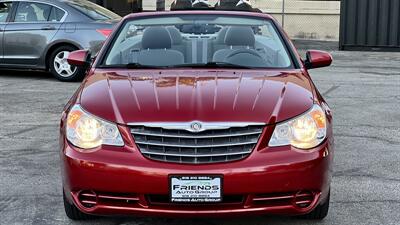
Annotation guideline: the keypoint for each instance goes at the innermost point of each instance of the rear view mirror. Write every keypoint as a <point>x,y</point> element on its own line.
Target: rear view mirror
<point>80,58</point>
<point>317,59</point>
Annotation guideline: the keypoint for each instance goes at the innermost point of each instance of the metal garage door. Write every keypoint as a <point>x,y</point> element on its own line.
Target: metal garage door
<point>370,25</point>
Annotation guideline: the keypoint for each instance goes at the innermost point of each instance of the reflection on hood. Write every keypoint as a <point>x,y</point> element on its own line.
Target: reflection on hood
<point>150,96</point>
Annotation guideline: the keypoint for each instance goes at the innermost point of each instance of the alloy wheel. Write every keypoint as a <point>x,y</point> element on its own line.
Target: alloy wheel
<point>61,65</point>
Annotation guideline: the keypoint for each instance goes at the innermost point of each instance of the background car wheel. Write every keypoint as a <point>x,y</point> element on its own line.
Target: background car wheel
<point>320,212</point>
<point>73,212</point>
<point>60,68</point>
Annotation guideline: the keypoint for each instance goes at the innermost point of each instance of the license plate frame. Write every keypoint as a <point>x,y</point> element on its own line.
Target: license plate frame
<point>206,189</point>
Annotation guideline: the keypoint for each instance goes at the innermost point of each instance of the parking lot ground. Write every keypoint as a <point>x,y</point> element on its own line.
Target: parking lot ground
<point>362,88</point>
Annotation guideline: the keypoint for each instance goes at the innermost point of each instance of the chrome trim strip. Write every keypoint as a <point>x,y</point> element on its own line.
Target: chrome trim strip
<point>196,156</point>
<point>196,146</point>
<point>205,125</point>
<point>195,136</point>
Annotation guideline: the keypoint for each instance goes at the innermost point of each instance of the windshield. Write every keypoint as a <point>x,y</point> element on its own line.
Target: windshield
<point>93,11</point>
<point>198,41</point>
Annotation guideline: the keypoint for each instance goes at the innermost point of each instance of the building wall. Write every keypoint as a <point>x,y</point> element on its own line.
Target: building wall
<point>303,19</point>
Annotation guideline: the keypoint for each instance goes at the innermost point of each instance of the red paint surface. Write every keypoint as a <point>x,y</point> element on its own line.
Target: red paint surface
<point>78,58</point>
<point>318,59</point>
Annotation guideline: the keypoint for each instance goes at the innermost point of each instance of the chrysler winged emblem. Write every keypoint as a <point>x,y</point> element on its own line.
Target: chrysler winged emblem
<point>196,127</point>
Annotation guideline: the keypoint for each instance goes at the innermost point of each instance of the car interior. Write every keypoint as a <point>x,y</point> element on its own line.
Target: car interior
<point>199,44</point>
<point>32,12</point>
<point>4,11</point>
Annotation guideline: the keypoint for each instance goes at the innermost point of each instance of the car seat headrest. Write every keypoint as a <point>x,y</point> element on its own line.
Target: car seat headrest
<point>221,35</point>
<point>240,36</point>
<point>156,38</point>
<point>176,35</point>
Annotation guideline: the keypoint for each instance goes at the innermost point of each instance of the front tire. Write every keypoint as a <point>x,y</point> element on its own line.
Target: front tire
<point>73,212</point>
<point>320,212</point>
<point>61,69</point>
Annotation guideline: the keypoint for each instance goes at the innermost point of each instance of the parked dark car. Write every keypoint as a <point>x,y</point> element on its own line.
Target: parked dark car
<point>40,34</point>
<point>178,121</point>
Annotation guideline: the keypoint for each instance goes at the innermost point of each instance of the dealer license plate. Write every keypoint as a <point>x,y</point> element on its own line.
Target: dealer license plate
<point>196,189</point>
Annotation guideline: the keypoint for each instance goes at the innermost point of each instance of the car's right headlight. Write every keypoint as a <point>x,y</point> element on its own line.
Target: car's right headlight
<point>304,132</point>
<point>86,131</point>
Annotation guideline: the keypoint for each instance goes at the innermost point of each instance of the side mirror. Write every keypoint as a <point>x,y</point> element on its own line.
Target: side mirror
<point>317,59</point>
<point>80,58</point>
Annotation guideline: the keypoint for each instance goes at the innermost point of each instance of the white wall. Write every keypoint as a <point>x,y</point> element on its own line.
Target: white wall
<point>303,19</point>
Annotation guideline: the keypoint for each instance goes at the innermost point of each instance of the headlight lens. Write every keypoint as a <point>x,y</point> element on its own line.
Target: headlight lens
<point>86,131</point>
<point>304,132</point>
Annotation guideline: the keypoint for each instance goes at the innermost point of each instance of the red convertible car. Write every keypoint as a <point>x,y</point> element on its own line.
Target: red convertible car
<point>197,113</point>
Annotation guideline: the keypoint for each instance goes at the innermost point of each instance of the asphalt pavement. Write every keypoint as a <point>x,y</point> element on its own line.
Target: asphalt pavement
<point>362,88</point>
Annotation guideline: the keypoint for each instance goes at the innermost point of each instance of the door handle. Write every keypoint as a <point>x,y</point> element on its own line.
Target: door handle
<point>48,28</point>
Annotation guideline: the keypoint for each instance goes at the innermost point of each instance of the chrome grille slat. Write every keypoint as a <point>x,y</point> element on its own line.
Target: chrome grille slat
<point>194,136</point>
<point>209,146</point>
<point>194,155</point>
<point>194,146</point>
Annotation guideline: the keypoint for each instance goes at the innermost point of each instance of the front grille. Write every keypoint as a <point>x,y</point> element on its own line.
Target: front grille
<point>210,146</point>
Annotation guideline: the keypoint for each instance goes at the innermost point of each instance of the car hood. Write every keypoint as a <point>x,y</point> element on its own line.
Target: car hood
<point>189,95</point>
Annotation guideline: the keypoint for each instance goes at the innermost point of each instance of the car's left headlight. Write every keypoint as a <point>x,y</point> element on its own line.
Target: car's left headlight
<point>303,132</point>
<point>86,131</point>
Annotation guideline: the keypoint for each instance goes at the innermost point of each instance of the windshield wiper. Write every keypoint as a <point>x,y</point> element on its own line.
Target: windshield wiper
<point>186,65</point>
<point>139,66</point>
<point>211,65</point>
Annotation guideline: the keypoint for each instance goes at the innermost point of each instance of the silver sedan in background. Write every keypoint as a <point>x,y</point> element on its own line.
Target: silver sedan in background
<point>40,34</point>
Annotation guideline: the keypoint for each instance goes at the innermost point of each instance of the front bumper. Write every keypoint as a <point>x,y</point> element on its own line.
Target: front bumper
<point>120,181</point>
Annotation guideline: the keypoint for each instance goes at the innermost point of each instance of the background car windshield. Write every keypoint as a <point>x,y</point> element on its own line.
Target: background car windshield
<point>93,11</point>
<point>4,11</point>
<point>196,40</point>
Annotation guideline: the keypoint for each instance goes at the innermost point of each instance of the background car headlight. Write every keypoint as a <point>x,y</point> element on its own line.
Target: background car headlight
<point>86,131</point>
<point>304,132</point>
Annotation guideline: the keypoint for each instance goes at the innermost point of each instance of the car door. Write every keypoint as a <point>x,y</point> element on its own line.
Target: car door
<point>5,13</point>
<point>28,33</point>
